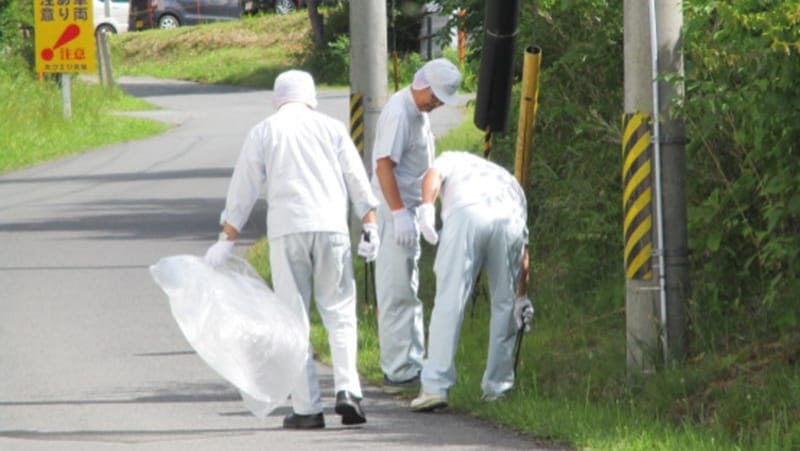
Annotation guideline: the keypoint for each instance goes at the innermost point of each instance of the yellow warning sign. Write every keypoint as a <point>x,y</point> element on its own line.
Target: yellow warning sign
<point>65,40</point>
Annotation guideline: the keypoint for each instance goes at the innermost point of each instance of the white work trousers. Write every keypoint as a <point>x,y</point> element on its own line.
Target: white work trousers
<point>401,332</point>
<point>322,260</point>
<point>473,237</point>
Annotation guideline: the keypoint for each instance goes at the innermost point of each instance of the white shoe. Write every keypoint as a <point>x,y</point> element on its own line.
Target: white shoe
<point>427,402</point>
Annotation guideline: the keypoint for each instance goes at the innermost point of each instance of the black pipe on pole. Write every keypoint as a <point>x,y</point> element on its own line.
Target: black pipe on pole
<point>497,65</point>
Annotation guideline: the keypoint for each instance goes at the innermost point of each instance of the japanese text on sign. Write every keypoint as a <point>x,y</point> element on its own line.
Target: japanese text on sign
<point>64,36</point>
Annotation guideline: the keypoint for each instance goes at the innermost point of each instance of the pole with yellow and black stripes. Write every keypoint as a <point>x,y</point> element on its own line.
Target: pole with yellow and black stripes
<point>357,120</point>
<point>357,135</point>
<point>654,192</point>
<point>637,198</point>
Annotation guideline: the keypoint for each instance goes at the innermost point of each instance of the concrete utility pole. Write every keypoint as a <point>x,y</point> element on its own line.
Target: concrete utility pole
<point>368,70</point>
<point>368,80</point>
<point>654,171</point>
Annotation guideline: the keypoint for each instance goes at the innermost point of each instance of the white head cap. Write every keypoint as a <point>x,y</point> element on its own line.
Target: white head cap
<point>442,76</point>
<point>294,86</point>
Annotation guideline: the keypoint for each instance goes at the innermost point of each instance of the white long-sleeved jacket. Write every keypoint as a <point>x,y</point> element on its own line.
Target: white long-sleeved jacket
<point>308,167</point>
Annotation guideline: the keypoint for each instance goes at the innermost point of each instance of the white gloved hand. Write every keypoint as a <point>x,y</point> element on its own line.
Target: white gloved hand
<point>523,313</point>
<point>219,252</point>
<point>427,223</point>
<point>405,228</point>
<point>370,242</point>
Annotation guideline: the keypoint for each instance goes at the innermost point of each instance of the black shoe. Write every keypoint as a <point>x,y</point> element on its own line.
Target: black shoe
<point>297,421</point>
<point>349,408</point>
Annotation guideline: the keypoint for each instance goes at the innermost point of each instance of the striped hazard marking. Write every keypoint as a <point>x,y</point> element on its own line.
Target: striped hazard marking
<point>637,196</point>
<point>357,120</point>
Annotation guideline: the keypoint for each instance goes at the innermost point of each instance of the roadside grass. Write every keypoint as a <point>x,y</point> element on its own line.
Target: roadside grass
<point>34,127</point>
<point>464,136</point>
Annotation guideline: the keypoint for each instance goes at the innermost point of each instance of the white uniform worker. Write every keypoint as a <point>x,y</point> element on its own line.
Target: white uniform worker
<point>484,216</point>
<point>308,167</point>
<point>402,152</point>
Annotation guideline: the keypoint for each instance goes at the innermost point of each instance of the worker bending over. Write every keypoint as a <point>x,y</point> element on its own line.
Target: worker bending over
<point>484,225</point>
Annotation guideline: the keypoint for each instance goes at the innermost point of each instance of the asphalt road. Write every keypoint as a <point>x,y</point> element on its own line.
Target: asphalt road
<point>90,357</point>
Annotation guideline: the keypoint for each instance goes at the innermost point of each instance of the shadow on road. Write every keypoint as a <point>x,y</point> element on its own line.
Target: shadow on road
<point>151,87</point>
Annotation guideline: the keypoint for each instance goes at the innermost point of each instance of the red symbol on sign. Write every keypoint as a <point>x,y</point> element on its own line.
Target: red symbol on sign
<point>71,32</point>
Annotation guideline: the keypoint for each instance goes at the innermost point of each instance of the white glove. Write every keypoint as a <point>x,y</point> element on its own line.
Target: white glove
<point>370,242</point>
<point>427,223</point>
<point>219,252</point>
<point>523,313</point>
<point>405,228</point>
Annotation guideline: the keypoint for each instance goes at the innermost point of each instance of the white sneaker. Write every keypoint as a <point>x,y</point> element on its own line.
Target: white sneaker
<point>427,402</point>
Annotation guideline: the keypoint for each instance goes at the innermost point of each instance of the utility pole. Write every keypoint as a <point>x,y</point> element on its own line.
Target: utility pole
<point>368,80</point>
<point>673,177</point>
<point>654,184</point>
<point>368,66</point>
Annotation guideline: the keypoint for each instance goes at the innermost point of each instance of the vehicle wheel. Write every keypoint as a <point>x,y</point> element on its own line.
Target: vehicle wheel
<point>284,6</point>
<point>168,21</point>
<point>105,28</point>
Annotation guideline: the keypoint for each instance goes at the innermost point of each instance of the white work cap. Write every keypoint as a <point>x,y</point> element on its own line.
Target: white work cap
<point>294,86</point>
<point>443,78</point>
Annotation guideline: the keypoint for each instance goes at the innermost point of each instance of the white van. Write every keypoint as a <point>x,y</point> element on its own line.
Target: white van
<point>111,20</point>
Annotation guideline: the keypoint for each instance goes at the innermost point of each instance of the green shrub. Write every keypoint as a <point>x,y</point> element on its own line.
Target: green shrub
<point>16,35</point>
<point>744,128</point>
<point>329,63</point>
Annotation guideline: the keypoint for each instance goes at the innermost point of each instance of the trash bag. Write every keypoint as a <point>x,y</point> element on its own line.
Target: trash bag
<point>237,326</point>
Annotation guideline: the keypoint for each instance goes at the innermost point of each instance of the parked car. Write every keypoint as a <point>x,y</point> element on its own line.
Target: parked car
<point>115,20</point>
<point>283,6</point>
<point>147,14</point>
<point>278,6</point>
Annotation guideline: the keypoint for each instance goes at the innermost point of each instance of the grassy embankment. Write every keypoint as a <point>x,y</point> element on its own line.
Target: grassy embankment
<point>248,52</point>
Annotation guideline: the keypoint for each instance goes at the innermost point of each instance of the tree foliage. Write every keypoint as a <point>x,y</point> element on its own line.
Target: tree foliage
<point>328,55</point>
<point>574,192</point>
<point>743,122</point>
<point>16,35</point>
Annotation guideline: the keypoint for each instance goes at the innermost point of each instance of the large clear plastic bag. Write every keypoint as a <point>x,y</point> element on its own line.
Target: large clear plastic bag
<point>237,326</point>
